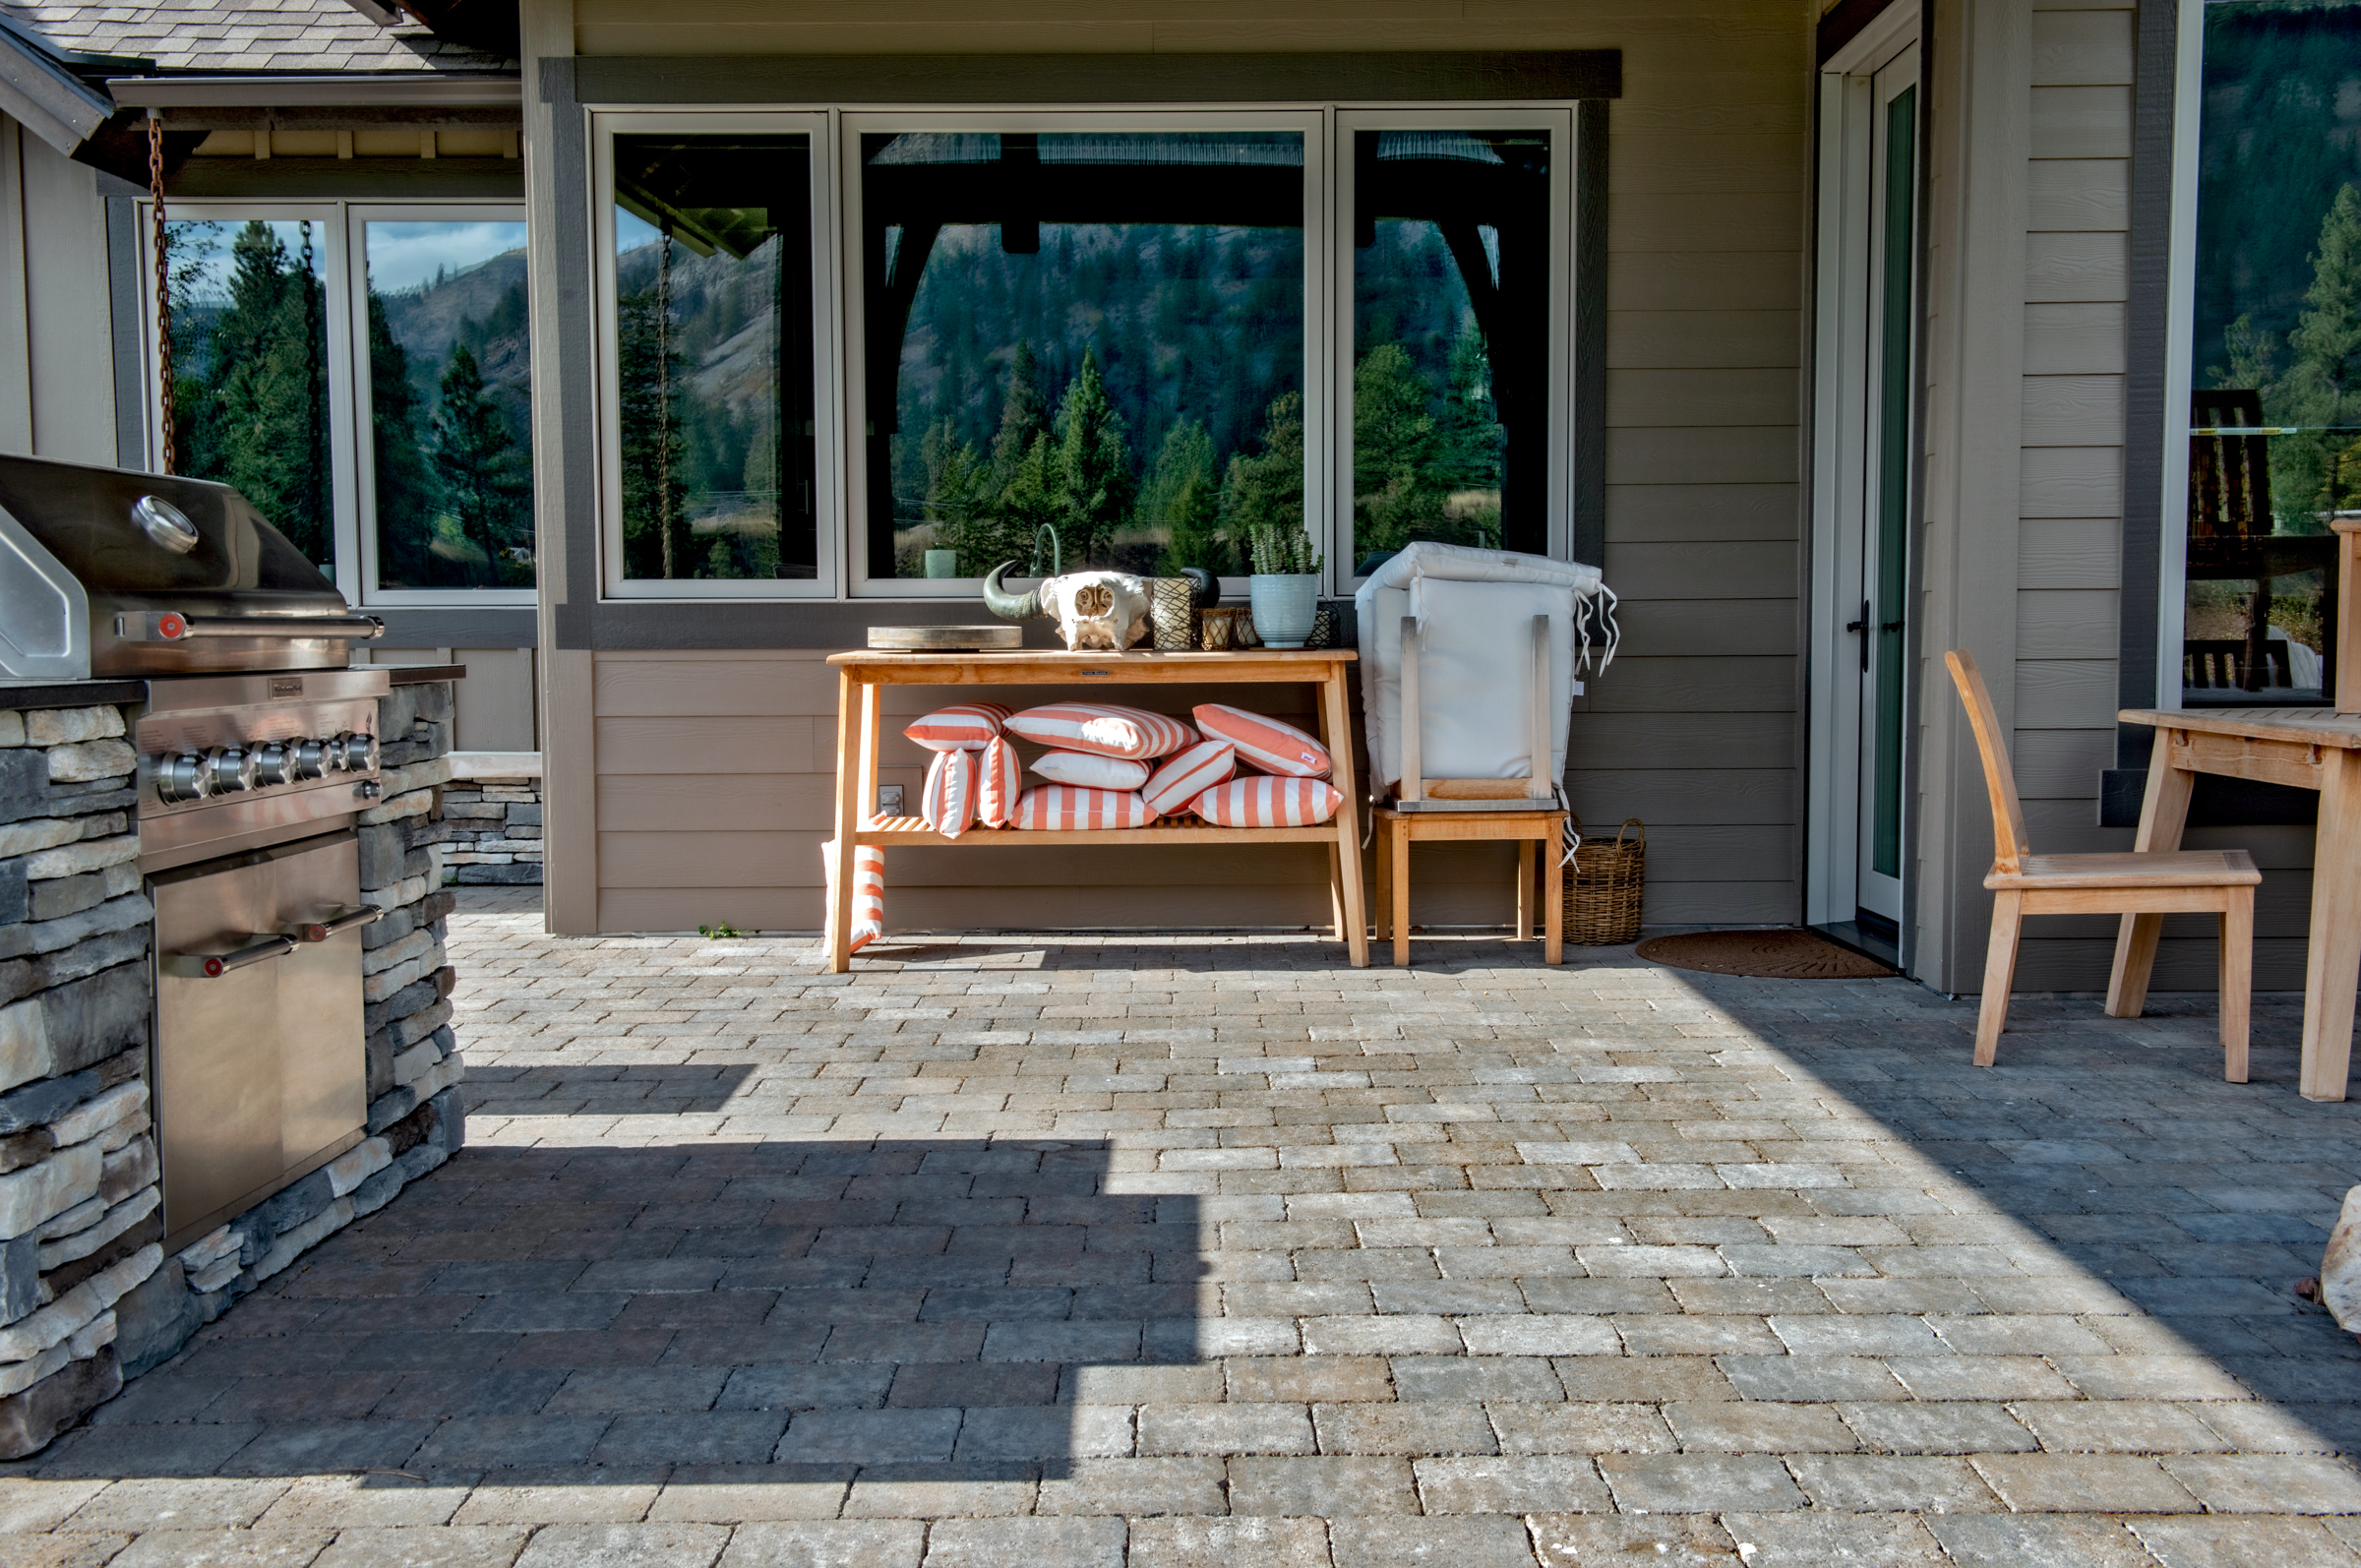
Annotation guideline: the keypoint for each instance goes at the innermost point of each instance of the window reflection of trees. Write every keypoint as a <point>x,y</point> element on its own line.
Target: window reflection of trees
<point>449,409</point>
<point>1097,332</point>
<point>250,369</point>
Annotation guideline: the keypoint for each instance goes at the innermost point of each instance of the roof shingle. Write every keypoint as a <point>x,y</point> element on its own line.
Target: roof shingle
<point>303,36</point>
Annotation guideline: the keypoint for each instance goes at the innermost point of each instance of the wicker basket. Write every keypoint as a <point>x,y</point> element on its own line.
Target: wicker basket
<point>1602,896</point>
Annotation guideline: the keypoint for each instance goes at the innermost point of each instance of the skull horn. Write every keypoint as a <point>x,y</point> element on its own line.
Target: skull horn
<point>1010,606</point>
<point>1204,588</point>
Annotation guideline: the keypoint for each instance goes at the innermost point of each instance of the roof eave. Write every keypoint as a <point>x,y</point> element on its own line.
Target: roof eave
<point>389,90</point>
<point>39,94</point>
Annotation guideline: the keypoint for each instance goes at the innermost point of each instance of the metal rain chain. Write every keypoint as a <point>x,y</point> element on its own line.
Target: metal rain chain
<point>163,290</point>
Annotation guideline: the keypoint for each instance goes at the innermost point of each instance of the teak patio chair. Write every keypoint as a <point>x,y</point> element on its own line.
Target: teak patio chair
<point>2216,881</point>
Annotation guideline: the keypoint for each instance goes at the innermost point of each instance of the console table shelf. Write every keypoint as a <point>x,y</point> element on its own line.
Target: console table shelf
<point>861,678</point>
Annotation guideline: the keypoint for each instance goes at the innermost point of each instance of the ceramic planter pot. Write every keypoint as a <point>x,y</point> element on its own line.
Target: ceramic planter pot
<point>1284,605</point>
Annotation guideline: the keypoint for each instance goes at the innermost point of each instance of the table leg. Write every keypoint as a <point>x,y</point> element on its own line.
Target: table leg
<point>849,751</point>
<point>2332,958</point>
<point>1398,852</point>
<point>1523,890</point>
<point>1553,900</point>
<point>1336,730</point>
<point>2162,815</point>
<point>1385,912</point>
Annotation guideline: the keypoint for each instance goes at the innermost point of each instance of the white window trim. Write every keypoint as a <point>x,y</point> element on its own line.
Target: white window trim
<point>1563,155</point>
<point>830,516</point>
<point>358,214</point>
<point>2180,316</point>
<point>344,523</point>
<point>1311,124</point>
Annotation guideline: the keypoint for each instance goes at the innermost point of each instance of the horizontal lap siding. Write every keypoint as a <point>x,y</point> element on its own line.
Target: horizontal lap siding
<point>714,786</point>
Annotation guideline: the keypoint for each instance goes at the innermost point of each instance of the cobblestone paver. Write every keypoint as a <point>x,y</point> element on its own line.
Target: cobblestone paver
<point>1187,1252</point>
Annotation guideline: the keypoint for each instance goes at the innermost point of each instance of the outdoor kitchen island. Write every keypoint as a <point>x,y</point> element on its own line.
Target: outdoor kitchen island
<point>93,1286</point>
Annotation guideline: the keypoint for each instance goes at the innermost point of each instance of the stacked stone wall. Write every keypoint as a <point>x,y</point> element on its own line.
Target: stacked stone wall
<point>88,1295</point>
<point>492,831</point>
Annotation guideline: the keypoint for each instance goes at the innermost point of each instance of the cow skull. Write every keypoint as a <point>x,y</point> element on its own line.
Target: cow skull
<point>1093,609</point>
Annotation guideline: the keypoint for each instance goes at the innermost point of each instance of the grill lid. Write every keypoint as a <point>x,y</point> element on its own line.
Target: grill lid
<point>114,571</point>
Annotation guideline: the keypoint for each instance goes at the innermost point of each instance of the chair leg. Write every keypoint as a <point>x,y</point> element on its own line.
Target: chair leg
<point>1554,904</point>
<point>1382,909</point>
<point>2000,973</point>
<point>2237,981</point>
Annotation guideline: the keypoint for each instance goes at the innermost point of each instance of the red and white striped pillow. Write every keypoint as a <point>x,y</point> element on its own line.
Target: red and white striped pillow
<point>950,802</point>
<point>1090,770</point>
<point>1050,806</point>
<point>961,727</point>
<point>1263,801</point>
<point>1264,741</point>
<point>1190,774</point>
<point>869,890</point>
<point>1102,729</point>
<point>1001,779</point>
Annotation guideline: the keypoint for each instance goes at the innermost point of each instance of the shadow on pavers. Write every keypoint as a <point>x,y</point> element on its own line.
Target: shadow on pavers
<point>919,1309</point>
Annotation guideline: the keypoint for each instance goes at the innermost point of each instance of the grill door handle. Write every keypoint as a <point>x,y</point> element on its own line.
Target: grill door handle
<point>344,920</point>
<point>212,966</point>
<point>170,626</point>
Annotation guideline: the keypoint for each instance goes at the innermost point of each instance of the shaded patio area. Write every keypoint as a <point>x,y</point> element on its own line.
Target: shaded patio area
<point>1183,1250</point>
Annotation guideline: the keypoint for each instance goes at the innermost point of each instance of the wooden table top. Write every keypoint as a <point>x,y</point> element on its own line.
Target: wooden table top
<point>1055,666</point>
<point>2303,726</point>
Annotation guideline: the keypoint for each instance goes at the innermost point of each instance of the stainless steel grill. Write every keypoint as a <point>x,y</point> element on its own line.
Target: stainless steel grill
<point>107,571</point>
<point>257,744</point>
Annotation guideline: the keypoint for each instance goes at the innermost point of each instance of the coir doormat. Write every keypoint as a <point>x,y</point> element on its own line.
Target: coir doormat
<point>1763,954</point>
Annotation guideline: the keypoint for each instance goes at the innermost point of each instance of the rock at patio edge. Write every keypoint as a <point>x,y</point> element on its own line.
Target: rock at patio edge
<point>2340,1266</point>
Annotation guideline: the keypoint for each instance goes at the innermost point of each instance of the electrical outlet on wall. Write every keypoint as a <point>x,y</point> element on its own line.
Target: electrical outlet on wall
<point>890,800</point>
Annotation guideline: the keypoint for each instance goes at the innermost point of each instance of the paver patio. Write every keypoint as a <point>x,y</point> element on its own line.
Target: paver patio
<point>1199,1250</point>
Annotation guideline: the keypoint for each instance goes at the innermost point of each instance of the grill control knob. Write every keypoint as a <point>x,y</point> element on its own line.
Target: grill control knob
<point>230,768</point>
<point>273,764</point>
<point>354,753</point>
<point>182,776</point>
<point>307,759</point>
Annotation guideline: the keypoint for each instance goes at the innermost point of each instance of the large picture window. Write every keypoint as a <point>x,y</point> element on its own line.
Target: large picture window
<point>2275,410</point>
<point>880,354</point>
<point>252,373</point>
<point>295,327</point>
<point>716,476</point>
<point>1080,346</point>
<point>448,395</point>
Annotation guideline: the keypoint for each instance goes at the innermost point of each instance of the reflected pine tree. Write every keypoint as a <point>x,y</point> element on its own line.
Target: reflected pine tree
<point>481,471</point>
<point>251,381</point>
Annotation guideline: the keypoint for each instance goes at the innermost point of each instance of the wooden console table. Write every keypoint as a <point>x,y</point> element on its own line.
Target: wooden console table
<point>2313,748</point>
<point>861,678</point>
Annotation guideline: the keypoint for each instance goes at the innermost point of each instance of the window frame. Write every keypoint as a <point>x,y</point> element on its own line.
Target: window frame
<point>1563,123</point>
<point>344,517</point>
<point>1316,125</point>
<point>830,520</point>
<point>357,216</point>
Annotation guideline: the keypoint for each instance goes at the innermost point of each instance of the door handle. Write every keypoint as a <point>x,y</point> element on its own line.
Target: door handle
<point>343,919</point>
<point>1862,627</point>
<point>212,966</point>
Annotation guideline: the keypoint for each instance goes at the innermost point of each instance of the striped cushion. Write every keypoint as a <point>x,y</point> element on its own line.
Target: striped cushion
<point>1094,772</point>
<point>1264,741</point>
<point>1102,729</point>
<point>1000,781</point>
<point>1067,805</point>
<point>950,802</point>
<point>1266,801</point>
<point>1190,774</point>
<point>869,890</point>
<point>961,727</point>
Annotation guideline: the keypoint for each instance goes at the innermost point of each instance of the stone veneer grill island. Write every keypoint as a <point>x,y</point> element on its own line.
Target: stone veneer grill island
<point>88,1295</point>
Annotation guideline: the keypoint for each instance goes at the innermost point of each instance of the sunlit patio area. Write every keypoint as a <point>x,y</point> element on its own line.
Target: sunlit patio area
<point>1164,1250</point>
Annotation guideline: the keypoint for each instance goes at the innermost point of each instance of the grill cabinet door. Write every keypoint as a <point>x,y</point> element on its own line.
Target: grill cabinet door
<point>260,1070</point>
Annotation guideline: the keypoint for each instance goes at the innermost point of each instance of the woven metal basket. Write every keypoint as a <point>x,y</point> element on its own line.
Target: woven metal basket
<point>1603,893</point>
